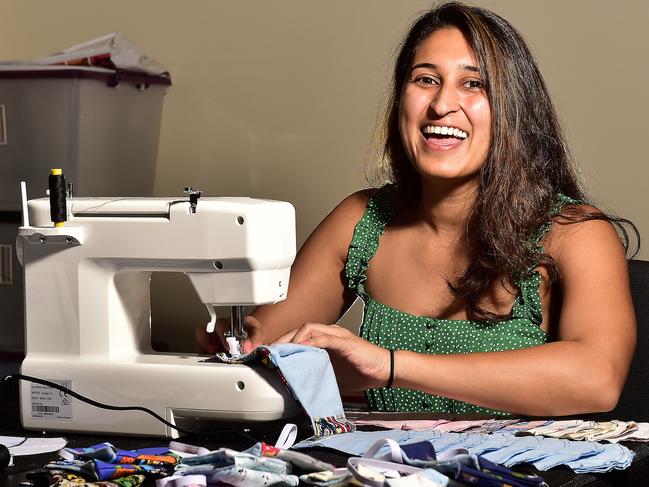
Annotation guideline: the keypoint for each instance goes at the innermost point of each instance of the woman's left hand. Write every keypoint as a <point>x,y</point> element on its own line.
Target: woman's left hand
<point>359,364</point>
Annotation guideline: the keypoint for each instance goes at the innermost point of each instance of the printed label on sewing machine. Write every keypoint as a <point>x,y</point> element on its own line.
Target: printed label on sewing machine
<point>51,403</point>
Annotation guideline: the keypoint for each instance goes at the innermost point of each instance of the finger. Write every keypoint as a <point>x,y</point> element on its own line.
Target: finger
<point>328,342</point>
<point>309,330</point>
<point>208,342</point>
<point>248,346</point>
<point>202,339</point>
<point>255,337</point>
<point>287,337</point>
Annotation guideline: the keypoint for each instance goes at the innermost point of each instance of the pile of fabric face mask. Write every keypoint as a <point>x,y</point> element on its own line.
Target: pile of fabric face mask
<point>502,448</point>
<point>106,466</point>
<point>610,431</point>
<point>387,463</point>
<point>103,465</point>
<point>408,465</point>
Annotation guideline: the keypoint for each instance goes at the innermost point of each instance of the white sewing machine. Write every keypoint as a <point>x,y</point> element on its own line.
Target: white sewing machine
<point>87,309</point>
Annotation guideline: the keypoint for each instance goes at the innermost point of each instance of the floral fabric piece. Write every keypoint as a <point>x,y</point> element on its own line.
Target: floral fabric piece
<point>105,462</point>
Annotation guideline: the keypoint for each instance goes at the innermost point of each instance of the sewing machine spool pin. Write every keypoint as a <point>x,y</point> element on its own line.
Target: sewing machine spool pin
<point>194,195</point>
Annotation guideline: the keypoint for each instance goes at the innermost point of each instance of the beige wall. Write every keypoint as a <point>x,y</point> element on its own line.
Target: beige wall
<point>279,99</point>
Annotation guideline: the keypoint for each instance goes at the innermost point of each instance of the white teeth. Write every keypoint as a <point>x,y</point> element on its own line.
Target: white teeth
<point>445,130</point>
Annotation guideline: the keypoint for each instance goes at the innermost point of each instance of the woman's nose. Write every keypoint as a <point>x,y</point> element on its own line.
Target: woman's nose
<point>445,100</point>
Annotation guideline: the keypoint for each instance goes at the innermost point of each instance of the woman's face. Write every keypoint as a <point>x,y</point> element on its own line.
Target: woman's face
<point>444,113</point>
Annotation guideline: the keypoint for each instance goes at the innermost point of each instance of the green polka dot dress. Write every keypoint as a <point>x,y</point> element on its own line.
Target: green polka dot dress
<point>396,330</point>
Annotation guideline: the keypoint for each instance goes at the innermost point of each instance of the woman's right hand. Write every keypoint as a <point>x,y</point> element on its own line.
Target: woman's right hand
<point>215,342</point>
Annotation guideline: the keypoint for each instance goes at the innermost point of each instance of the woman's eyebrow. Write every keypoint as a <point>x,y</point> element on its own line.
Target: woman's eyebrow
<point>468,67</point>
<point>461,67</point>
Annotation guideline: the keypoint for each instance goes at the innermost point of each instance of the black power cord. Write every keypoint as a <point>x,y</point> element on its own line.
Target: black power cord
<point>76,395</point>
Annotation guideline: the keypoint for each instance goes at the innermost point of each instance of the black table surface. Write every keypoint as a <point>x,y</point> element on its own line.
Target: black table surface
<point>636,475</point>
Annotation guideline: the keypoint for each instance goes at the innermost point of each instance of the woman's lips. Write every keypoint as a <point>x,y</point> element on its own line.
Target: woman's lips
<point>442,143</point>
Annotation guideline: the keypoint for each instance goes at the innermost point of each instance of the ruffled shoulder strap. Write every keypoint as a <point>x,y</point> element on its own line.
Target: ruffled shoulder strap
<point>558,203</point>
<point>378,213</point>
<point>528,303</point>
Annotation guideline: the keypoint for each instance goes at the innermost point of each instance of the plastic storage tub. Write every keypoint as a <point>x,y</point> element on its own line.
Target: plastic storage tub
<point>100,126</point>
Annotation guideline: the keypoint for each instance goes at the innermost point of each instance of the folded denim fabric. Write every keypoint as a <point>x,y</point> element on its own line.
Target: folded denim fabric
<point>462,440</point>
<point>492,442</point>
<point>225,457</point>
<point>243,477</point>
<point>226,466</point>
<point>545,448</point>
<point>515,450</point>
<point>300,462</point>
<point>308,374</point>
<point>356,443</point>
<point>447,441</point>
<point>609,458</point>
<point>571,451</point>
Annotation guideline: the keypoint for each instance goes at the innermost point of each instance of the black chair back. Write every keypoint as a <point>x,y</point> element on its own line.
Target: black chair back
<point>634,400</point>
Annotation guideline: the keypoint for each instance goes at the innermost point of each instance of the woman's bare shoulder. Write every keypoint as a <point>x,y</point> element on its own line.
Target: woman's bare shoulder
<point>346,214</point>
<point>582,241</point>
<point>337,228</point>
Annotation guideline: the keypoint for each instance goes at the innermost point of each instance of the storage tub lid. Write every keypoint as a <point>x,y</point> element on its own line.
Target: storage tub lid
<point>110,76</point>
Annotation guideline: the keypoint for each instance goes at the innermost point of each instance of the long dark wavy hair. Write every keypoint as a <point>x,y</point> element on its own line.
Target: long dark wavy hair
<point>527,165</point>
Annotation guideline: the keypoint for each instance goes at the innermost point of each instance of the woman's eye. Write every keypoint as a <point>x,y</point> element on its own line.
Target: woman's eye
<point>474,84</point>
<point>425,80</point>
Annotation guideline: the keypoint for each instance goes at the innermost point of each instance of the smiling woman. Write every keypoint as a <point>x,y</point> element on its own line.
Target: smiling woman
<point>444,113</point>
<point>490,283</point>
